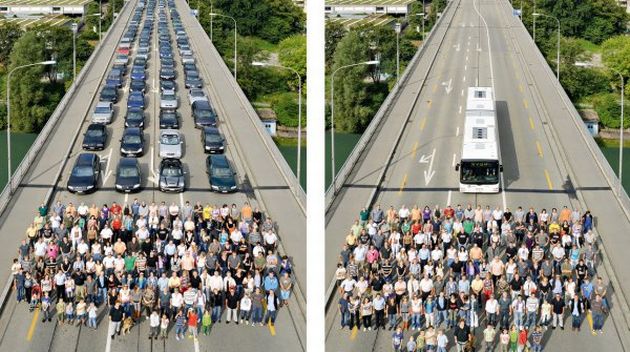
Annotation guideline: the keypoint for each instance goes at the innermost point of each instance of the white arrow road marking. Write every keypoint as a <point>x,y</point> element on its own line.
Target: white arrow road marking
<point>425,159</point>
<point>448,87</point>
<point>108,172</point>
<point>428,174</point>
<point>153,179</point>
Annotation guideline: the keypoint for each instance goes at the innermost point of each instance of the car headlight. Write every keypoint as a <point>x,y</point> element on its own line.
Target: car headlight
<point>89,187</point>
<point>136,185</point>
<point>214,187</point>
<point>233,187</point>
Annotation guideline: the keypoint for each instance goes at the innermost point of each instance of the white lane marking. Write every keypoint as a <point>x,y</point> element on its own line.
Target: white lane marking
<point>152,165</point>
<point>448,198</point>
<point>108,172</point>
<point>181,199</point>
<point>428,174</point>
<point>449,86</point>
<point>460,109</point>
<point>468,37</point>
<point>456,47</point>
<point>466,57</point>
<point>454,156</point>
<point>464,79</point>
<point>108,344</point>
<point>456,134</point>
<point>196,342</point>
<point>462,93</point>
<point>465,67</point>
<point>467,50</point>
<point>126,198</point>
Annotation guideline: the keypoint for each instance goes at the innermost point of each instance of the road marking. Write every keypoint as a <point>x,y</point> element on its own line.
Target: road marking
<point>108,172</point>
<point>453,162</point>
<point>31,329</point>
<point>353,335</point>
<point>108,344</point>
<point>126,198</point>
<point>434,88</point>
<point>415,149</point>
<point>456,47</point>
<point>466,57</point>
<point>467,50</point>
<point>428,174</point>
<point>531,123</point>
<point>468,37</point>
<point>460,110</point>
<point>181,199</point>
<point>448,198</point>
<point>465,67</point>
<point>403,184</point>
<point>525,103</point>
<point>548,180</point>
<point>462,93</point>
<point>422,123</point>
<point>448,87</point>
<point>520,88</point>
<point>196,343</point>
<point>464,79</point>
<point>539,148</point>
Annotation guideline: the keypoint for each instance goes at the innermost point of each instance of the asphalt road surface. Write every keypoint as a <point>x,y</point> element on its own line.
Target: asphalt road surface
<point>431,145</point>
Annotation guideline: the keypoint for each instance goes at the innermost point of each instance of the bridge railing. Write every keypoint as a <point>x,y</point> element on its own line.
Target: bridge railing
<point>348,165</point>
<point>42,138</point>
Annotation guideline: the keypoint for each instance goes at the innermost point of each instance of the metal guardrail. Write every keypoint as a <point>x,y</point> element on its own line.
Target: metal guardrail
<point>330,292</point>
<point>42,138</point>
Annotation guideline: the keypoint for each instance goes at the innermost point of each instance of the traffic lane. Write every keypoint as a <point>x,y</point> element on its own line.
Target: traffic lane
<point>364,176</point>
<point>22,330</point>
<point>278,199</point>
<point>432,143</point>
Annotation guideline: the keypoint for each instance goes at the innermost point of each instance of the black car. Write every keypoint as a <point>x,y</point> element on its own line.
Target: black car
<point>203,114</point>
<point>172,176</point>
<point>137,85</point>
<point>169,119</point>
<point>212,140</point>
<point>220,174</point>
<point>167,62</point>
<point>109,94</point>
<point>134,118</point>
<point>95,137</point>
<point>167,73</point>
<point>132,142</point>
<point>122,68</point>
<point>128,176</point>
<point>193,80</point>
<point>84,174</point>
<point>140,61</point>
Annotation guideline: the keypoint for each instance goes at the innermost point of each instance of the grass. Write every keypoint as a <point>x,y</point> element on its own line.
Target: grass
<point>588,46</point>
<point>264,45</point>
<point>288,142</point>
<point>611,143</point>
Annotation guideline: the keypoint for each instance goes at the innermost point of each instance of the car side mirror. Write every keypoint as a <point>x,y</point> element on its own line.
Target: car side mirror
<point>500,168</point>
<point>457,167</point>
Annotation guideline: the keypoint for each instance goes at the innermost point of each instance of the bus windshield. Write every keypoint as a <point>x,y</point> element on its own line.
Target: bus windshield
<point>480,172</point>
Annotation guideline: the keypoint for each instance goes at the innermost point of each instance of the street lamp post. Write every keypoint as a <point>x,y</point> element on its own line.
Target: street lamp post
<point>212,14</point>
<point>423,15</point>
<point>534,23</point>
<point>397,27</point>
<point>558,45</point>
<point>621,129</point>
<point>49,62</point>
<point>332,117</point>
<point>299,144</point>
<point>75,28</point>
<point>100,11</point>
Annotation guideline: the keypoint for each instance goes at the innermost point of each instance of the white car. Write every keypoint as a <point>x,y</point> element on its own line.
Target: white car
<point>188,59</point>
<point>168,101</point>
<point>195,94</point>
<point>103,113</point>
<point>170,144</point>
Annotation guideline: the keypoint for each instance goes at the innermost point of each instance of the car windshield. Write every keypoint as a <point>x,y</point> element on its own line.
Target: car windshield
<point>135,116</point>
<point>192,74</point>
<point>82,171</point>
<point>136,97</point>
<point>171,171</point>
<point>94,133</point>
<point>168,97</point>
<point>102,110</point>
<point>213,138</point>
<point>170,139</point>
<point>109,91</point>
<point>204,113</point>
<point>128,171</point>
<point>221,172</point>
<point>138,70</point>
<point>197,93</point>
<point>131,139</point>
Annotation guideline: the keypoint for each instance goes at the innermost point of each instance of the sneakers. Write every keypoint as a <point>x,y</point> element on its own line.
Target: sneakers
<point>370,328</point>
<point>253,324</point>
<point>601,331</point>
<point>177,337</point>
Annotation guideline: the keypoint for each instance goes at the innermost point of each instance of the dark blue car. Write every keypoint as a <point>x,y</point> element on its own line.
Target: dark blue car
<point>138,73</point>
<point>135,100</point>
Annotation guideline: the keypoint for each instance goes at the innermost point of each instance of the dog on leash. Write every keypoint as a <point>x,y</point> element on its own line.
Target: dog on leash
<point>127,324</point>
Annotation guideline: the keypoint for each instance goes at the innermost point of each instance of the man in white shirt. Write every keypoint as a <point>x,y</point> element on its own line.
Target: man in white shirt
<point>347,285</point>
<point>215,282</point>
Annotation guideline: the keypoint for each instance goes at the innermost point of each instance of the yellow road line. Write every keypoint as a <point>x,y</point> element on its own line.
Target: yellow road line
<point>422,123</point>
<point>403,184</point>
<point>531,122</point>
<point>520,88</point>
<point>415,149</point>
<point>31,329</point>
<point>540,153</point>
<point>353,335</point>
<point>525,103</point>
<point>434,87</point>
<point>548,180</point>
<point>272,329</point>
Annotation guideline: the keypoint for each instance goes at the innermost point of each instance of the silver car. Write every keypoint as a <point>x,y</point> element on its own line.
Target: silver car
<point>170,144</point>
<point>168,101</point>
<point>195,94</point>
<point>103,112</point>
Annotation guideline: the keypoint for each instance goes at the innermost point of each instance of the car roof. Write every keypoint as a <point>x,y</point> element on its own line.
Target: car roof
<point>133,130</point>
<point>104,103</point>
<point>169,131</point>
<point>219,160</point>
<point>96,126</point>
<point>128,162</point>
<point>211,130</point>
<point>85,159</point>
<point>201,104</point>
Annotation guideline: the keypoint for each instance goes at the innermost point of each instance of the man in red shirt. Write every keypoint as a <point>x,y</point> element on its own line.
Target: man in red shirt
<point>192,323</point>
<point>449,213</point>
<point>115,209</point>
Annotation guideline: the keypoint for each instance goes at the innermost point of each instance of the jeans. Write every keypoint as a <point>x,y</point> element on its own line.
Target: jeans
<point>531,319</point>
<point>392,320</point>
<point>92,323</point>
<point>244,314</point>
<point>504,319</point>
<point>216,314</point>
<point>598,321</point>
<point>536,347</point>
<point>442,316</point>
<point>576,321</point>
<point>271,315</point>
<point>415,320</point>
<point>180,330</point>
<point>345,318</point>
<point>257,315</point>
<point>102,295</point>
<point>518,319</point>
<point>492,318</point>
<point>21,292</point>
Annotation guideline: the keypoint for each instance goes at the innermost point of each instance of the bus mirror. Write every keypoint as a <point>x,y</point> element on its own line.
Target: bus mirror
<point>457,167</point>
<point>500,168</point>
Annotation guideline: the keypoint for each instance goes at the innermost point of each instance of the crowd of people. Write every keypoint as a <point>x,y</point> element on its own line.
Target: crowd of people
<point>186,267</point>
<point>450,274</point>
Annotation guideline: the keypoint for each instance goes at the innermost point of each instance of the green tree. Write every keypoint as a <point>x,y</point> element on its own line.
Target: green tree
<point>292,53</point>
<point>616,54</point>
<point>608,108</point>
<point>335,31</point>
<point>10,32</point>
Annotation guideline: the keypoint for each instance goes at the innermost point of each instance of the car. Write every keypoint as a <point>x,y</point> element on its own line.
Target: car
<point>185,50</point>
<point>203,114</point>
<point>124,50</point>
<point>172,176</point>
<point>189,67</point>
<point>169,119</point>
<point>212,140</point>
<point>103,112</point>
<point>121,59</point>
<point>167,86</point>
<point>195,94</point>
<point>128,175</point>
<point>140,61</point>
<point>137,85</point>
<point>143,52</point>
<point>126,41</point>
<point>109,94</point>
<point>135,100</point>
<point>138,73</point>
<point>122,68</point>
<point>193,80</point>
<point>220,174</point>
<point>132,142</point>
<point>135,118</point>
<point>167,63</point>
<point>167,73</point>
<point>168,101</point>
<point>114,78</point>
<point>95,137</point>
<point>167,53</point>
<point>188,59</point>
<point>85,173</point>
<point>170,144</point>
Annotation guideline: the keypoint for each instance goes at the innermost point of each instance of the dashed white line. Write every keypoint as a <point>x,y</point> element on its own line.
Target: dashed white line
<point>462,93</point>
<point>466,57</point>
<point>448,198</point>
<point>465,67</point>
<point>456,135</point>
<point>454,155</point>
<point>460,110</point>
<point>464,79</point>
<point>181,199</point>
<point>126,198</point>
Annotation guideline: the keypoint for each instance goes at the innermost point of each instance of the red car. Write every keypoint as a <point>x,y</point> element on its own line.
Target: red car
<point>124,51</point>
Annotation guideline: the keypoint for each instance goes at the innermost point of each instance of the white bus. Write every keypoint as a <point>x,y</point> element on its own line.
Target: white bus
<point>480,164</point>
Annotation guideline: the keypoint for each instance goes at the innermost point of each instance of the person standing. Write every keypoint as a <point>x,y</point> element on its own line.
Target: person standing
<point>489,334</point>
<point>397,339</point>
<point>154,324</point>
<point>462,335</point>
<point>231,304</point>
<point>206,322</point>
<point>164,327</point>
<point>180,325</point>
<point>598,310</point>
<point>272,308</point>
<point>92,315</point>
<point>116,315</point>
<point>558,311</point>
<point>536,339</point>
<point>193,319</point>
<point>442,341</point>
<point>577,307</point>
